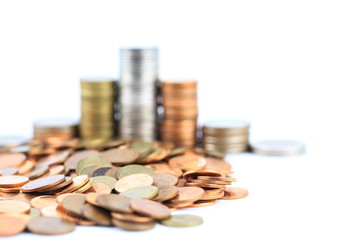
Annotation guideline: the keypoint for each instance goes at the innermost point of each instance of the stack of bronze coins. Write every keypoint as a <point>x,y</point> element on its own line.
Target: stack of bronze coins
<point>225,136</point>
<point>138,93</point>
<point>97,108</point>
<point>55,128</point>
<point>180,112</point>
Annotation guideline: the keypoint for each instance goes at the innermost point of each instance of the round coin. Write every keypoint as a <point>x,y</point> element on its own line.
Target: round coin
<point>13,181</point>
<point>73,160</point>
<point>43,183</point>
<point>105,179</point>
<point>50,226</point>
<point>132,169</point>
<point>13,206</point>
<point>11,225</point>
<point>165,179</point>
<point>41,202</point>
<point>74,204</point>
<point>187,162</point>
<point>133,226</point>
<point>134,180</point>
<point>235,193</point>
<point>182,221</point>
<point>150,208</point>
<point>166,192</point>
<point>114,203</point>
<point>121,156</point>
<point>188,194</point>
<point>97,215</point>
<point>145,192</point>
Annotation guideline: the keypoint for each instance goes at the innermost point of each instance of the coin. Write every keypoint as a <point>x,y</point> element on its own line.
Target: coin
<point>13,181</point>
<point>145,192</point>
<point>165,179</point>
<point>85,187</point>
<point>193,174</point>
<point>56,158</point>
<point>166,192</point>
<point>133,226</point>
<point>114,203</point>
<point>77,183</point>
<point>209,178</point>
<point>50,226</point>
<point>235,193</point>
<point>99,170</point>
<point>90,161</point>
<point>132,169</point>
<point>187,162</point>
<point>12,160</point>
<point>13,206</point>
<point>214,193</point>
<point>133,180</point>
<point>72,161</point>
<point>26,167</point>
<point>105,179</point>
<point>150,208</point>
<point>11,225</point>
<point>34,212</point>
<point>205,185</point>
<point>74,204</point>
<point>101,188</point>
<point>38,172</point>
<point>55,170</point>
<point>43,201</point>
<point>188,194</point>
<point>182,221</point>
<point>49,211</point>
<point>62,213</point>
<point>209,182</point>
<point>43,183</point>
<point>203,203</point>
<point>98,215</point>
<point>121,156</point>
<point>278,147</point>
<point>67,182</point>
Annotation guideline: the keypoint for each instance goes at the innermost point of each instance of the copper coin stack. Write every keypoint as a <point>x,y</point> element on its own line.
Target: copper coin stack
<point>55,128</point>
<point>180,112</point>
<point>225,136</point>
<point>97,108</point>
<point>138,93</point>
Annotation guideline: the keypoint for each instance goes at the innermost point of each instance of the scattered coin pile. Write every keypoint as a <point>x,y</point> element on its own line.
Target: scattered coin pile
<point>179,123</point>
<point>138,93</point>
<point>225,136</point>
<point>55,128</point>
<point>131,185</point>
<point>97,108</point>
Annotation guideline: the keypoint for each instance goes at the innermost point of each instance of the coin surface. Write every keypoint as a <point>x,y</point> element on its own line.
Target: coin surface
<point>50,226</point>
<point>150,208</point>
<point>182,221</point>
<point>166,192</point>
<point>114,203</point>
<point>132,169</point>
<point>121,156</point>
<point>133,180</point>
<point>145,192</point>
<point>188,194</point>
<point>96,214</point>
<point>131,217</point>
<point>13,181</point>
<point>41,202</point>
<point>235,193</point>
<point>74,204</point>
<point>278,147</point>
<point>133,226</point>
<point>73,160</point>
<point>43,183</point>
<point>11,225</point>
<point>165,179</point>
<point>13,206</point>
<point>101,188</point>
<point>105,179</point>
<point>12,160</point>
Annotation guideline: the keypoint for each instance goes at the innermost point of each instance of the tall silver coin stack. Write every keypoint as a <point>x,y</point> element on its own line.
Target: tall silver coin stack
<point>138,93</point>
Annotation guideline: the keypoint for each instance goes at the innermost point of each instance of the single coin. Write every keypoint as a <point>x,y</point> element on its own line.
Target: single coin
<point>209,182</point>
<point>235,193</point>
<point>11,225</point>
<point>182,221</point>
<point>74,204</point>
<point>87,170</point>
<point>61,197</point>
<point>188,194</point>
<point>165,179</point>
<point>160,168</point>
<point>209,178</point>
<point>121,156</point>
<point>43,183</point>
<point>150,208</point>
<point>114,203</point>
<point>133,226</point>
<point>132,169</point>
<point>96,214</point>
<point>203,203</point>
<point>13,181</point>
<point>12,160</point>
<point>56,158</point>
<point>41,202</point>
<point>205,185</point>
<point>134,180</point>
<point>131,217</point>
<point>203,172</point>
<point>187,162</point>
<point>49,211</point>
<point>50,226</point>
<point>105,179</point>
<point>214,193</point>
<point>90,161</point>
<point>166,192</point>
<point>98,187</point>
<point>13,206</point>
<point>217,164</point>
<point>73,160</point>
<point>278,147</point>
<point>67,182</point>
<point>8,171</point>
<point>77,183</point>
<point>55,170</point>
<point>85,187</point>
<point>145,192</point>
<point>181,182</point>
<point>10,190</point>
<point>38,172</point>
<point>226,127</point>
<point>142,147</point>
<point>99,170</point>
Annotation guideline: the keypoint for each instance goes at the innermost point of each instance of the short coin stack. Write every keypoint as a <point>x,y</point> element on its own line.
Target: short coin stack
<point>55,128</point>
<point>138,93</point>
<point>179,123</point>
<point>225,136</point>
<point>97,108</point>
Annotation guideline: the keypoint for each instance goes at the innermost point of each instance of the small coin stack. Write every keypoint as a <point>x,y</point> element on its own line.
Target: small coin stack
<point>138,93</point>
<point>97,108</point>
<point>55,128</point>
<point>225,136</point>
<point>132,185</point>
<point>180,112</point>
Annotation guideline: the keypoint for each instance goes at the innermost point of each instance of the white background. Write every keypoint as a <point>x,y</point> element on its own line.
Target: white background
<point>289,67</point>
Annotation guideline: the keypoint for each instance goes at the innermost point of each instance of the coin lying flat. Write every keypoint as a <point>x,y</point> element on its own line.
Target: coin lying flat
<point>165,179</point>
<point>12,160</point>
<point>11,225</point>
<point>132,169</point>
<point>121,156</point>
<point>214,193</point>
<point>166,192</point>
<point>114,203</point>
<point>74,204</point>
<point>13,206</point>
<point>105,179</point>
<point>101,188</point>
<point>187,162</point>
<point>188,194</point>
<point>145,192</point>
<point>235,193</point>
<point>13,181</point>
<point>41,202</point>
<point>50,226</point>
<point>150,208</point>
<point>134,180</point>
<point>278,147</point>
<point>77,183</point>
<point>182,221</point>
<point>131,217</point>
<point>43,183</point>
<point>73,160</point>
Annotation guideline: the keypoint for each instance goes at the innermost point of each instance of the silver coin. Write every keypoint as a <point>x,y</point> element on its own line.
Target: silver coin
<point>278,147</point>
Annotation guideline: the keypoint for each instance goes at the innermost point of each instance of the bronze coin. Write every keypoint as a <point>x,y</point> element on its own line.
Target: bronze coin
<point>235,193</point>
<point>11,225</point>
<point>214,193</point>
<point>56,158</point>
<point>187,162</point>
<point>13,181</point>
<point>188,194</point>
<point>13,206</point>
<point>133,226</point>
<point>203,172</point>
<point>203,203</point>
<point>12,160</point>
<point>166,192</point>
<point>84,188</point>
<point>121,156</point>
<point>62,213</point>
<point>131,217</point>
<point>49,211</point>
<point>41,202</point>
<point>165,179</point>
<point>150,208</point>
<point>114,203</point>
<point>43,183</point>
<point>160,168</point>
<point>50,226</point>
<point>133,180</point>
<point>209,182</point>
<point>96,214</point>
<point>55,170</point>
<point>38,172</point>
<point>73,160</point>
<point>27,166</point>
<point>98,187</point>
<point>74,204</point>
<point>67,182</point>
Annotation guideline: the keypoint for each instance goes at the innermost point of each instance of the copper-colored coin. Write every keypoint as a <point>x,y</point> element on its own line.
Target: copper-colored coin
<point>113,172</point>
<point>34,212</point>
<point>49,211</point>
<point>133,226</point>
<point>74,204</point>
<point>50,226</point>
<point>43,183</point>
<point>27,166</point>
<point>205,185</point>
<point>8,171</point>
<point>133,180</point>
<point>97,215</point>
<point>38,172</point>
<point>165,179</point>
<point>12,160</point>
<point>209,178</point>
<point>181,182</point>
<point>91,198</point>
<point>11,225</point>
<point>188,194</point>
<point>131,217</point>
<point>114,203</point>
<point>217,164</point>
<point>166,192</point>
<point>24,217</point>
<point>150,208</point>
<point>121,156</point>
<point>67,182</point>
<point>175,206</point>
<point>55,170</point>
<point>41,202</point>
<point>61,212</point>
<point>73,160</point>
<point>13,206</point>
<point>99,170</point>
<point>209,182</point>
<point>24,197</point>
<point>13,181</point>
<point>101,188</point>
<point>10,190</point>
<point>77,183</point>
<point>203,203</point>
<point>235,193</point>
<point>159,168</point>
<point>214,193</point>
<point>187,162</point>
<point>203,172</point>
<point>56,158</point>
<point>61,197</point>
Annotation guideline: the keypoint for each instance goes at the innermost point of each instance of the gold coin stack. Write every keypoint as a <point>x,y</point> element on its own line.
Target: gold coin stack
<point>55,128</point>
<point>179,123</point>
<point>97,108</point>
<point>225,137</point>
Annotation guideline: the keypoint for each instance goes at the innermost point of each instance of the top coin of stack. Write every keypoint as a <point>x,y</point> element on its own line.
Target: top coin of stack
<point>97,108</point>
<point>226,136</point>
<point>55,128</point>
<point>179,100</point>
<point>138,93</point>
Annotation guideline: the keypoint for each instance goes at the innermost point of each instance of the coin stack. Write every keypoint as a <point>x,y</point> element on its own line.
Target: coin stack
<point>55,128</point>
<point>225,136</point>
<point>138,93</point>
<point>179,123</point>
<point>97,108</point>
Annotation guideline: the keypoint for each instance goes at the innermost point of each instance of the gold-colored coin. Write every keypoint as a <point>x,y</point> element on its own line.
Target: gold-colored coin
<point>209,182</point>
<point>205,185</point>
<point>133,180</point>
<point>105,179</point>
<point>13,206</point>
<point>85,187</point>
<point>145,192</point>
<point>209,178</point>
<point>73,160</point>
<point>194,174</point>
<point>150,208</point>
<point>11,225</point>
<point>235,193</point>
<point>41,202</point>
<point>182,221</point>
<point>50,226</point>
<point>43,183</point>
<point>13,181</point>
<point>96,214</point>
<point>77,183</point>
<point>166,192</point>
<point>165,179</point>
<point>114,203</point>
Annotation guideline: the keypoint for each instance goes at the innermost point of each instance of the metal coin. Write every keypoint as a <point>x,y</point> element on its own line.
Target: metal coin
<point>11,225</point>
<point>50,226</point>
<point>121,156</point>
<point>13,206</point>
<point>182,221</point>
<point>133,180</point>
<point>188,194</point>
<point>133,226</point>
<point>132,169</point>
<point>165,179</point>
<point>150,208</point>
<point>105,179</point>
<point>145,192</point>
<point>114,203</point>
<point>165,193</point>
<point>98,215</point>
<point>43,201</point>
<point>43,183</point>
<point>235,193</point>
<point>13,181</point>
